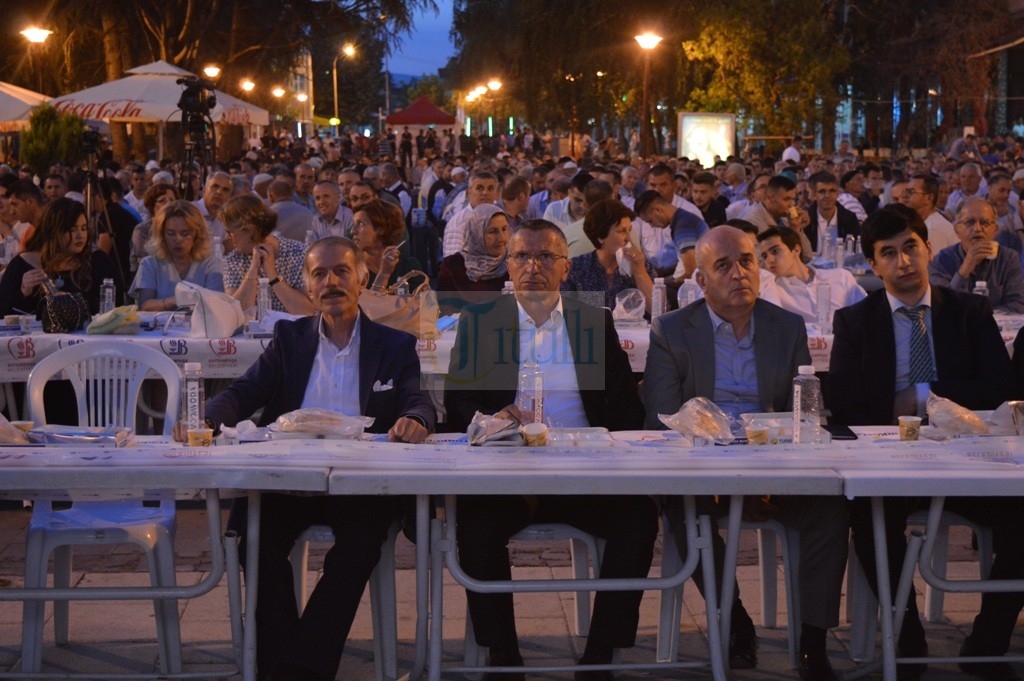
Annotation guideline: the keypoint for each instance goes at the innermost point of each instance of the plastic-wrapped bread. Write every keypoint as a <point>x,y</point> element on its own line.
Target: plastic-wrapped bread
<point>952,419</point>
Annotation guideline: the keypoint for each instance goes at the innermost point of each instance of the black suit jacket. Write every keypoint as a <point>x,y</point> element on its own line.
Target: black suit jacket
<point>971,360</point>
<point>484,370</point>
<point>846,224</point>
<point>277,381</point>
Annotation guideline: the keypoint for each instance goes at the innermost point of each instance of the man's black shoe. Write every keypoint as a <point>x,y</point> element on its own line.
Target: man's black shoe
<point>911,671</point>
<point>743,649</point>
<point>990,671</point>
<point>593,675</point>
<point>504,659</point>
<point>816,667</point>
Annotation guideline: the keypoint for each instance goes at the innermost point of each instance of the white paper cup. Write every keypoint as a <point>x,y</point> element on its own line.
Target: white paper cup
<point>995,251</point>
<point>910,427</point>
<point>535,434</point>
<point>200,437</point>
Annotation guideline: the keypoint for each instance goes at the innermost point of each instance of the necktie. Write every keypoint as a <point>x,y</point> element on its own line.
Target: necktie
<point>921,370</point>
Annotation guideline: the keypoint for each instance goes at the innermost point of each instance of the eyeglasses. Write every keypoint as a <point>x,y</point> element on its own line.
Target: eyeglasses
<point>970,223</point>
<point>543,259</point>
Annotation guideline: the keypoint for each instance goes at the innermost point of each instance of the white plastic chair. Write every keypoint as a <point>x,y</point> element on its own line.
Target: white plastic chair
<point>586,552</point>
<point>383,601</point>
<point>767,531</point>
<point>862,605</point>
<point>106,376</point>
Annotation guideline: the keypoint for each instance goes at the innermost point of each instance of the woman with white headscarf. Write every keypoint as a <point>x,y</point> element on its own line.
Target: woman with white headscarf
<point>481,266</point>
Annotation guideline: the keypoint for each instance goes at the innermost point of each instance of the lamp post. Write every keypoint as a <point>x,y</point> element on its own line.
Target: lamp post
<point>647,41</point>
<point>36,36</point>
<point>348,50</point>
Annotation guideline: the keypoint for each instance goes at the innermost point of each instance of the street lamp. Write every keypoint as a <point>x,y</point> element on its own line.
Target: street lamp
<point>247,85</point>
<point>36,36</point>
<point>647,41</point>
<point>348,50</point>
<point>211,71</point>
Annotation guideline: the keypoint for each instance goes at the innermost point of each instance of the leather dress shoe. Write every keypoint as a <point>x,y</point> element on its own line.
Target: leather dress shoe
<point>743,649</point>
<point>816,667</point>
<point>593,675</point>
<point>911,671</point>
<point>990,671</point>
<point>504,659</point>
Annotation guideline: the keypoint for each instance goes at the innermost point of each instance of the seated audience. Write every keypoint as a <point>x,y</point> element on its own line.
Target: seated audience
<point>481,266</point>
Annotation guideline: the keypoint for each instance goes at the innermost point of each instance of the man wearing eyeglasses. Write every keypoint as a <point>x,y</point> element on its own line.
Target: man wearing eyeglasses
<point>922,194</point>
<point>978,258</point>
<point>587,382</point>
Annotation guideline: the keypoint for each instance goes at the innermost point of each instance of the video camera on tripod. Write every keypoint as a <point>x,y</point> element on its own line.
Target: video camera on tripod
<point>196,103</point>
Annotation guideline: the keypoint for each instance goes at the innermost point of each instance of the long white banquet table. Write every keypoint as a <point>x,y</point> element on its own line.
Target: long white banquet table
<point>148,469</point>
<point>637,462</point>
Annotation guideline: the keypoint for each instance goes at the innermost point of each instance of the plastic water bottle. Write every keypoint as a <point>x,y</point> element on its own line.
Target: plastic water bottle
<point>806,407</point>
<point>856,245</point>
<point>310,238</point>
<point>193,395</point>
<point>689,291</point>
<point>508,289</point>
<point>840,252</point>
<point>107,292</point>
<point>530,397</point>
<point>218,247</point>
<point>980,289</point>
<point>262,300</point>
<point>823,300</point>
<point>659,303</point>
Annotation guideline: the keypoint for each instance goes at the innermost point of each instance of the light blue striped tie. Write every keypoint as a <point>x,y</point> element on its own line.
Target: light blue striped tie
<point>921,369</point>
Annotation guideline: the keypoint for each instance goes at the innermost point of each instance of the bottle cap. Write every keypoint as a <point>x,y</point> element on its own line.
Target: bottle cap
<point>806,370</point>
<point>263,280</point>
<point>659,280</point>
<point>193,366</point>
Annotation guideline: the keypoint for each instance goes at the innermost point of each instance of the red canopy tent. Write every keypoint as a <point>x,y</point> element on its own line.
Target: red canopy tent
<point>421,113</point>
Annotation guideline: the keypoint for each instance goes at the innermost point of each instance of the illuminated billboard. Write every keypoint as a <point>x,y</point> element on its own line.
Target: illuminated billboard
<point>703,136</point>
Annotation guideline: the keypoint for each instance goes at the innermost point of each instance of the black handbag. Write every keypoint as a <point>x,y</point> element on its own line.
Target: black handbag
<point>62,312</point>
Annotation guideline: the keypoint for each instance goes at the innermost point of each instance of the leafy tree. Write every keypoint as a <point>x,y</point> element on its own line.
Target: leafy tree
<point>52,137</point>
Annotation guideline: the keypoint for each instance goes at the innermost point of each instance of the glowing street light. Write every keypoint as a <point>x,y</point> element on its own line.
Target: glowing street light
<point>36,36</point>
<point>494,85</point>
<point>211,71</point>
<point>302,97</point>
<point>278,91</point>
<point>647,41</point>
<point>348,50</point>
<point>247,85</point>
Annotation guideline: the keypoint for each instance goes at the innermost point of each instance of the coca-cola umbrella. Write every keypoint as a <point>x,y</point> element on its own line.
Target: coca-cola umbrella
<point>150,94</point>
<point>16,104</point>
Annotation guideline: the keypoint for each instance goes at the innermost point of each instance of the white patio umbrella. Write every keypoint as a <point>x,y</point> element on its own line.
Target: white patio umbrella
<point>16,104</point>
<point>150,94</point>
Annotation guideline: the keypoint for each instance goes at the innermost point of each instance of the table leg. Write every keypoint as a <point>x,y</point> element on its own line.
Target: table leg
<point>423,540</point>
<point>252,560</point>
<point>884,591</point>
<point>437,549</point>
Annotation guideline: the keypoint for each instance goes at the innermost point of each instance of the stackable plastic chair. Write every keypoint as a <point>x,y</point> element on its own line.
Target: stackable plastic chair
<point>383,601</point>
<point>106,376</point>
<point>586,552</point>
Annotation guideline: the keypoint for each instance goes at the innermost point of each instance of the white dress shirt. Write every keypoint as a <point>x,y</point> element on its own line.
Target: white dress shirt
<point>334,379</point>
<point>548,345</point>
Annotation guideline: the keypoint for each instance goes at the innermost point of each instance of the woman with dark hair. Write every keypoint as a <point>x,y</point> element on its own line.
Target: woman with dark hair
<point>258,252</point>
<point>155,198</point>
<point>60,249</point>
<point>379,228</point>
<point>181,252</point>
<point>482,264</point>
<point>608,224</point>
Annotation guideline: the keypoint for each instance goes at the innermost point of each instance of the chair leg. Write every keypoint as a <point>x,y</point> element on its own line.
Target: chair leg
<point>33,611</point>
<point>166,610</point>
<point>584,559</point>
<point>791,567</point>
<point>383,605</point>
<point>934,598</point>
<point>671,599</point>
<point>299,558</point>
<point>473,655</point>
<point>861,609</point>
<point>767,562</point>
<point>61,580</point>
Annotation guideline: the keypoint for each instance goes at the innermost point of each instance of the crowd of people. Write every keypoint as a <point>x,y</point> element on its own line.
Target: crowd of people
<point>756,235</point>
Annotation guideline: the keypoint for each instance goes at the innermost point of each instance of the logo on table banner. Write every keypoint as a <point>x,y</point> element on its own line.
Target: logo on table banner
<point>627,344</point>
<point>817,343</point>
<point>426,345</point>
<point>223,346</point>
<point>68,342</point>
<point>174,347</point>
<point>21,348</point>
